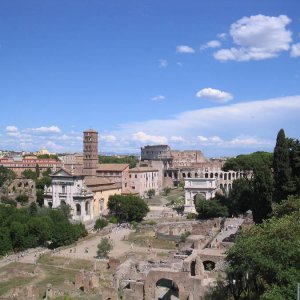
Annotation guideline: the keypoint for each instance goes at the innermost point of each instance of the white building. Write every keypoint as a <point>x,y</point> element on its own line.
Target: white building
<point>194,186</point>
<point>143,179</point>
<point>68,189</point>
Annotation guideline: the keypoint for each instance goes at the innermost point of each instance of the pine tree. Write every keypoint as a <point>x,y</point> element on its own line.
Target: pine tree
<point>282,169</point>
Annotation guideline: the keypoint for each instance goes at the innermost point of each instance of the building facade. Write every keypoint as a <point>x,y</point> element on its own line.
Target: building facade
<point>118,173</point>
<point>143,179</point>
<point>20,164</point>
<point>102,188</point>
<point>71,190</point>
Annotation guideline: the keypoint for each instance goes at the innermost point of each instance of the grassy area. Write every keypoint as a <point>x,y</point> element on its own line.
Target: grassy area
<point>147,238</point>
<point>14,275</point>
<point>66,262</point>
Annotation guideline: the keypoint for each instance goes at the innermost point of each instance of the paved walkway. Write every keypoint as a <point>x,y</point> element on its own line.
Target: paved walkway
<point>230,227</point>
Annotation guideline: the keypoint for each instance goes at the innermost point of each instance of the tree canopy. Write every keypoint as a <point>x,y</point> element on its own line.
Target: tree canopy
<point>30,227</point>
<point>6,174</point>
<point>248,162</point>
<point>265,260</point>
<point>207,209</point>
<point>127,208</point>
<point>129,159</point>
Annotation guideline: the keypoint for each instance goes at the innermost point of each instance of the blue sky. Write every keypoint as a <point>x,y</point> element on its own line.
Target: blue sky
<point>220,76</point>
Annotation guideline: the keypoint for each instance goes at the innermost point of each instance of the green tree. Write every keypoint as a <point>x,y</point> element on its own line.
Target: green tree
<point>264,262</point>
<point>248,162</point>
<point>22,199</point>
<point>40,197</point>
<point>287,207</point>
<point>29,174</point>
<point>240,196</point>
<point>6,175</point>
<point>100,223</point>
<point>129,159</point>
<point>294,155</point>
<point>5,241</point>
<point>282,169</point>
<point>151,193</point>
<point>167,191</point>
<point>33,209</point>
<point>66,210</point>
<point>104,247</point>
<point>207,209</point>
<point>263,187</point>
<point>37,170</point>
<point>127,207</point>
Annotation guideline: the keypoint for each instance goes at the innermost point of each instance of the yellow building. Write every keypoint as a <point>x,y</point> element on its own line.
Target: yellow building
<point>102,188</point>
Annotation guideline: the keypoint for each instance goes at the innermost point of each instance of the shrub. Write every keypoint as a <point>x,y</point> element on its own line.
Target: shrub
<point>100,223</point>
<point>191,216</point>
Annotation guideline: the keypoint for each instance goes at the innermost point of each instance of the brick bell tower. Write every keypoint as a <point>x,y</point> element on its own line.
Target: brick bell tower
<point>90,152</point>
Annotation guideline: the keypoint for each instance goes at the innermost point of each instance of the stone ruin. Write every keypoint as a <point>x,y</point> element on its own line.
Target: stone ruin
<point>12,189</point>
<point>87,281</point>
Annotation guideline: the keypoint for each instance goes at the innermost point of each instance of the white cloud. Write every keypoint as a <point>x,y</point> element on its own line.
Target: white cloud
<point>108,138</point>
<point>246,141</point>
<point>163,63</point>
<point>175,138</point>
<point>185,49</point>
<point>295,50</point>
<point>44,129</point>
<point>211,44</point>
<point>257,37</point>
<point>11,128</point>
<point>222,36</point>
<point>158,98</point>
<point>179,64</point>
<point>147,138</point>
<point>233,123</point>
<point>214,95</point>
<point>209,140</point>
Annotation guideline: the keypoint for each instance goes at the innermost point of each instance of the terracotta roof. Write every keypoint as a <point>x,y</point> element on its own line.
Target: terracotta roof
<point>105,187</point>
<point>112,167</point>
<point>142,169</point>
<point>97,181</point>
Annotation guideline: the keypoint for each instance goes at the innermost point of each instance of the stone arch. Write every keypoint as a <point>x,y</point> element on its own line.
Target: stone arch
<point>166,288</point>
<point>216,175</point>
<point>211,175</point>
<point>206,175</point>
<point>229,176</point>
<point>189,175</point>
<point>225,176</point>
<point>196,175</point>
<point>221,175</point>
<point>183,175</point>
<point>78,209</point>
<point>225,186</point>
<point>50,204</point>
<point>221,186</point>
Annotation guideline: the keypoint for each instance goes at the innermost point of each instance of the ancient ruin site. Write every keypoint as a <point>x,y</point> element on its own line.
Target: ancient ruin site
<point>164,257</point>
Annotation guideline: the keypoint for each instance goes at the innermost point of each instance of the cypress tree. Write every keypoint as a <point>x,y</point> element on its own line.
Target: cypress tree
<point>282,169</point>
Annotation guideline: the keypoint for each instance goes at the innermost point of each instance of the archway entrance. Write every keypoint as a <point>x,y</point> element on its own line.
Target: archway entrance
<point>166,289</point>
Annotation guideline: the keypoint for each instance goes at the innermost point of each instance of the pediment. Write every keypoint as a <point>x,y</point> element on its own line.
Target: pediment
<point>62,173</point>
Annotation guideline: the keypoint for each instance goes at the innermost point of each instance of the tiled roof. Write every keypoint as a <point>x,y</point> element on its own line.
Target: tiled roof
<point>112,167</point>
<point>142,169</point>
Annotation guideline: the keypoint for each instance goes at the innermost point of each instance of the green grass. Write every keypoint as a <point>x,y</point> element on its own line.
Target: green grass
<point>147,238</point>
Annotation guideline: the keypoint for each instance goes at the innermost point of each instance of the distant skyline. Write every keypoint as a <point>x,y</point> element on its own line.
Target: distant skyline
<point>219,76</point>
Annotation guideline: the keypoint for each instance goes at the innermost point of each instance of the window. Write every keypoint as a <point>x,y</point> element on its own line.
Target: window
<point>135,176</point>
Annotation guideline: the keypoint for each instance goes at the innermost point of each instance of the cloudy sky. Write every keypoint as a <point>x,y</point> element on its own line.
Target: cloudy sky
<point>220,76</point>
